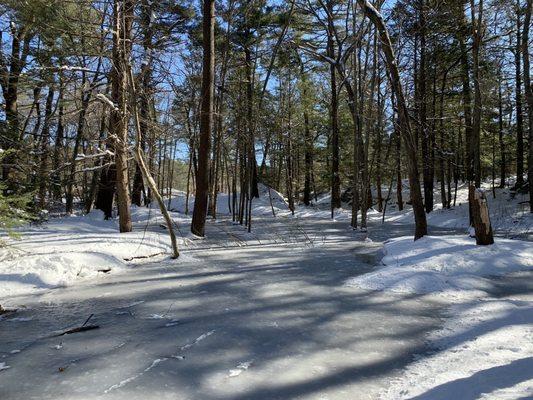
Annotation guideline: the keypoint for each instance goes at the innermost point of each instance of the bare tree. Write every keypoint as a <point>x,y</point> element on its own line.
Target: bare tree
<point>206,119</point>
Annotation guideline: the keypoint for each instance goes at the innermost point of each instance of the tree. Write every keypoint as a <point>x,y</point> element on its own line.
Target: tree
<point>403,117</point>
<point>206,119</point>
<point>118,124</point>
<point>529,94</point>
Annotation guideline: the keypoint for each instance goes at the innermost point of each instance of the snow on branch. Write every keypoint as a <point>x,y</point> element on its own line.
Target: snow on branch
<point>104,99</point>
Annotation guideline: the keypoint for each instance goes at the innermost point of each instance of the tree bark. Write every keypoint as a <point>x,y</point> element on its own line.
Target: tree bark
<point>123,15</point>
<point>518,100</point>
<point>422,112</point>
<point>477,35</point>
<point>481,217</point>
<point>403,118</point>
<point>206,120</point>
<point>500,134</point>
<point>334,107</point>
<point>139,157</point>
<point>44,148</point>
<point>529,95</point>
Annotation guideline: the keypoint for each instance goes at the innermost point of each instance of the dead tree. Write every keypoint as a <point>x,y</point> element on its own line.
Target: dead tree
<point>481,217</point>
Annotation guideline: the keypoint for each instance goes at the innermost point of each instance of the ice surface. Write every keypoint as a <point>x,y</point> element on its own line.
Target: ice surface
<point>267,314</point>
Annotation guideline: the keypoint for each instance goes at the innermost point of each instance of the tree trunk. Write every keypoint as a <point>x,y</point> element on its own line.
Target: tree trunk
<point>206,120</point>
<point>399,184</point>
<point>518,101</point>
<point>58,145</point>
<point>481,217</point>
<point>123,19</point>
<point>403,118</point>
<point>44,148</point>
<point>422,112</point>
<point>477,36</point>
<point>334,105</point>
<point>69,195</point>
<point>500,134</point>
<point>529,95</point>
<point>20,45</point>
<point>139,157</point>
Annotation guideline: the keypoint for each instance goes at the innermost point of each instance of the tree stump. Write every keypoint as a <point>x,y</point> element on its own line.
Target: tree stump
<point>480,216</point>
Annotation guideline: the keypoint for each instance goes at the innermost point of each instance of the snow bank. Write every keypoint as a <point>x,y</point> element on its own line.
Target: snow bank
<point>484,351</point>
<point>485,348</point>
<point>260,206</point>
<point>73,248</point>
<point>450,265</point>
<point>509,212</point>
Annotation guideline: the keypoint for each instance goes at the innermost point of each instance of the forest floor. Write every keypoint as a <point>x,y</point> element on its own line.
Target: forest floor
<point>298,309</point>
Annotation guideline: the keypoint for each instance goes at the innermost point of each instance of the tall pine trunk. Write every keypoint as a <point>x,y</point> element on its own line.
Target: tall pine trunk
<point>206,119</point>
<point>118,127</point>
<point>529,95</point>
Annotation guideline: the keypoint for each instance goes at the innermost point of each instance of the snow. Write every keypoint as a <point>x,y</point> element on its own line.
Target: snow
<point>260,206</point>
<point>73,248</point>
<point>509,211</point>
<point>485,351</point>
<point>485,348</point>
<point>449,265</point>
<point>239,369</point>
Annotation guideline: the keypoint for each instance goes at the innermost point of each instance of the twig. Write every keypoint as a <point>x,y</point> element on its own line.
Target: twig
<point>82,328</point>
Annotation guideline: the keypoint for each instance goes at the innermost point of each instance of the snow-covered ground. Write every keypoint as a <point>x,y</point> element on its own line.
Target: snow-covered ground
<point>485,349</point>
<point>72,248</point>
<point>270,202</point>
<point>509,212</point>
<point>322,276</point>
<point>69,249</point>
<point>451,266</point>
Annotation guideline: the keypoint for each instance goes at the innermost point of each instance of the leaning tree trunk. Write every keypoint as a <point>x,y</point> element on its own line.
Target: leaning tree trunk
<point>139,157</point>
<point>403,118</point>
<point>206,120</point>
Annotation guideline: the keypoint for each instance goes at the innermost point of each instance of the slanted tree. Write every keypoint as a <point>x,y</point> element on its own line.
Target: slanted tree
<point>404,124</point>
